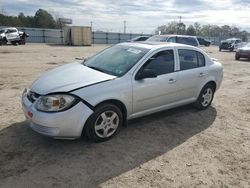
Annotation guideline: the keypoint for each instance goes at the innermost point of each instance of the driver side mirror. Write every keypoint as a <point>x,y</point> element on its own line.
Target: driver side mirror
<point>146,73</point>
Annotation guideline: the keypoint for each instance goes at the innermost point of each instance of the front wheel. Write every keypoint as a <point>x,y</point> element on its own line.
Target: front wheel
<point>103,123</point>
<point>206,97</point>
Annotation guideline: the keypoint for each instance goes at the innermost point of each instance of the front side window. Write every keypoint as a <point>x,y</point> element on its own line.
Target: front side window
<point>190,59</point>
<point>161,63</point>
<point>116,60</point>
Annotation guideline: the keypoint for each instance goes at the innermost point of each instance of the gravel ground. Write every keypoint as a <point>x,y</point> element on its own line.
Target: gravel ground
<point>182,147</point>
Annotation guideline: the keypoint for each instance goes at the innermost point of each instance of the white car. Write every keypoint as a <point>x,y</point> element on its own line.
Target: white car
<point>12,35</point>
<point>123,82</point>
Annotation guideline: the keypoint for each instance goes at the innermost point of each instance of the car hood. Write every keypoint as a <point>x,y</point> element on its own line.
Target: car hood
<point>68,77</point>
<point>245,48</point>
<point>226,41</point>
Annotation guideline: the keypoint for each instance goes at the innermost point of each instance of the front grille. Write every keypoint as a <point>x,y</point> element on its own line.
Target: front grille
<point>32,96</point>
<point>226,45</point>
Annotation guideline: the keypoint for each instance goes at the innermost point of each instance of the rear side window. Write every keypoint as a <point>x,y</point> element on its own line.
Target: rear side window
<point>187,40</point>
<point>162,62</point>
<point>190,59</point>
<point>201,59</point>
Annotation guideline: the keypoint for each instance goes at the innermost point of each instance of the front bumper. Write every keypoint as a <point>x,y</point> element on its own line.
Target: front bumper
<point>67,124</point>
<point>226,46</point>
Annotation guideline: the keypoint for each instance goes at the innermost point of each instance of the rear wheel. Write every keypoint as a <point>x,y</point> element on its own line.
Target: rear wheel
<point>220,49</point>
<point>103,123</point>
<point>206,97</point>
<point>5,41</point>
<point>237,57</point>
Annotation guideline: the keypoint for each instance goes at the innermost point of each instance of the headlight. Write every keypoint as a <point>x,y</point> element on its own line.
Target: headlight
<point>55,103</point>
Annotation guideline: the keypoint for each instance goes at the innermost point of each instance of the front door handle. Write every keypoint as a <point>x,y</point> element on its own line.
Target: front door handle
<point>202,74</point>
<point>171,81</point>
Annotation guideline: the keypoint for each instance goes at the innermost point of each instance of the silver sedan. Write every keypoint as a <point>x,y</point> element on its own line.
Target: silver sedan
<point>125,81</point>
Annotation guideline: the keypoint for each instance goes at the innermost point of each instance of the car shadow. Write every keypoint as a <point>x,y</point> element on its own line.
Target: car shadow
<point>28,159</point>
<point>244,60</point>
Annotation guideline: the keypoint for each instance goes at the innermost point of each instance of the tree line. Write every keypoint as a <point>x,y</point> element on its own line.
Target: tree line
<point>197,29</point>
<point>41,19</point>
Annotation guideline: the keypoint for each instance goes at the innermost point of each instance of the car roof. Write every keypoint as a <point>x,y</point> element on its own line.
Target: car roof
<point>233,39</point>
<point>173,35</point>
<point>5,28</point>
<point>154,45</point>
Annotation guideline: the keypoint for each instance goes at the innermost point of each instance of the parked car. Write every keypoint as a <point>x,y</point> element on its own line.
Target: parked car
<point>125,81</point>
<point>243,52</point>
<point>203,41</point>
<point>182,39</point>
<point>12,35</point>
<point>230,44</point>
<point>139,38</point>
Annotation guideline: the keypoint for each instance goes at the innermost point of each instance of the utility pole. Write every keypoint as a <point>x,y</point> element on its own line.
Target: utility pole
<point>124,26</point>
<point>180,19</point>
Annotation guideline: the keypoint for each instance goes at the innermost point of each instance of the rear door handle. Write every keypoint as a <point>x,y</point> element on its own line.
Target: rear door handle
<point>202,74</point>
<point>171,81</point>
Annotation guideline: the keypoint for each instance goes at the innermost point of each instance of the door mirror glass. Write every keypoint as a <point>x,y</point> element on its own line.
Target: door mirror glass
<point>146,73</point>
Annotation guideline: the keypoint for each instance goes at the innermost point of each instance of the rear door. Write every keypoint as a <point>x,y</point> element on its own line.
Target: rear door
<point>152,93</point>
<point>192,72</point>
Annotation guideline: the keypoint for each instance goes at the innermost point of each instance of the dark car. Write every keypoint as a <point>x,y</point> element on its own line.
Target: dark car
<point>230,44</point>
<point>203,41</point>
<point>139,38</point>
<point>182,39</point>
<point>243,52</point>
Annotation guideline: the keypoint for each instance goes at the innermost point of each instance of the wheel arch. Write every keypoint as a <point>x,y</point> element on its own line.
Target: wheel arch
<point>213,83</point>
<point>119,104</point>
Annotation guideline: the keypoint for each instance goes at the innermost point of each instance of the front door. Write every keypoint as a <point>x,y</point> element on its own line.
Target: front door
<point>152,93</point>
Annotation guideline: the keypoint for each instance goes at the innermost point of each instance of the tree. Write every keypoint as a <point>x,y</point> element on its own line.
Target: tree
<point>197,28</point>
<point>181,28</point>
<point>44,20</point>
<point>191,30</point>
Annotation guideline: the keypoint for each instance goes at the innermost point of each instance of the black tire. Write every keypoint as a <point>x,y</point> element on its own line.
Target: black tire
<point>91,125</point>
<point>5,41</point>
<point>200,103</point>
<point>14,43</point>
<point>237,58</point>
<point>220,49</point>
<point>232,49</point>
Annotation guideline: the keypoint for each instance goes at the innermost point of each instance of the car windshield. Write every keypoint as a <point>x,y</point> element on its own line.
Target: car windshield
<point>230,40</point>
<point>158,38</point>
<point>116,60</point>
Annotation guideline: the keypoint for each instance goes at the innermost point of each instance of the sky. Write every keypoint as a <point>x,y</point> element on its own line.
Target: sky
<point>141,16</point>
